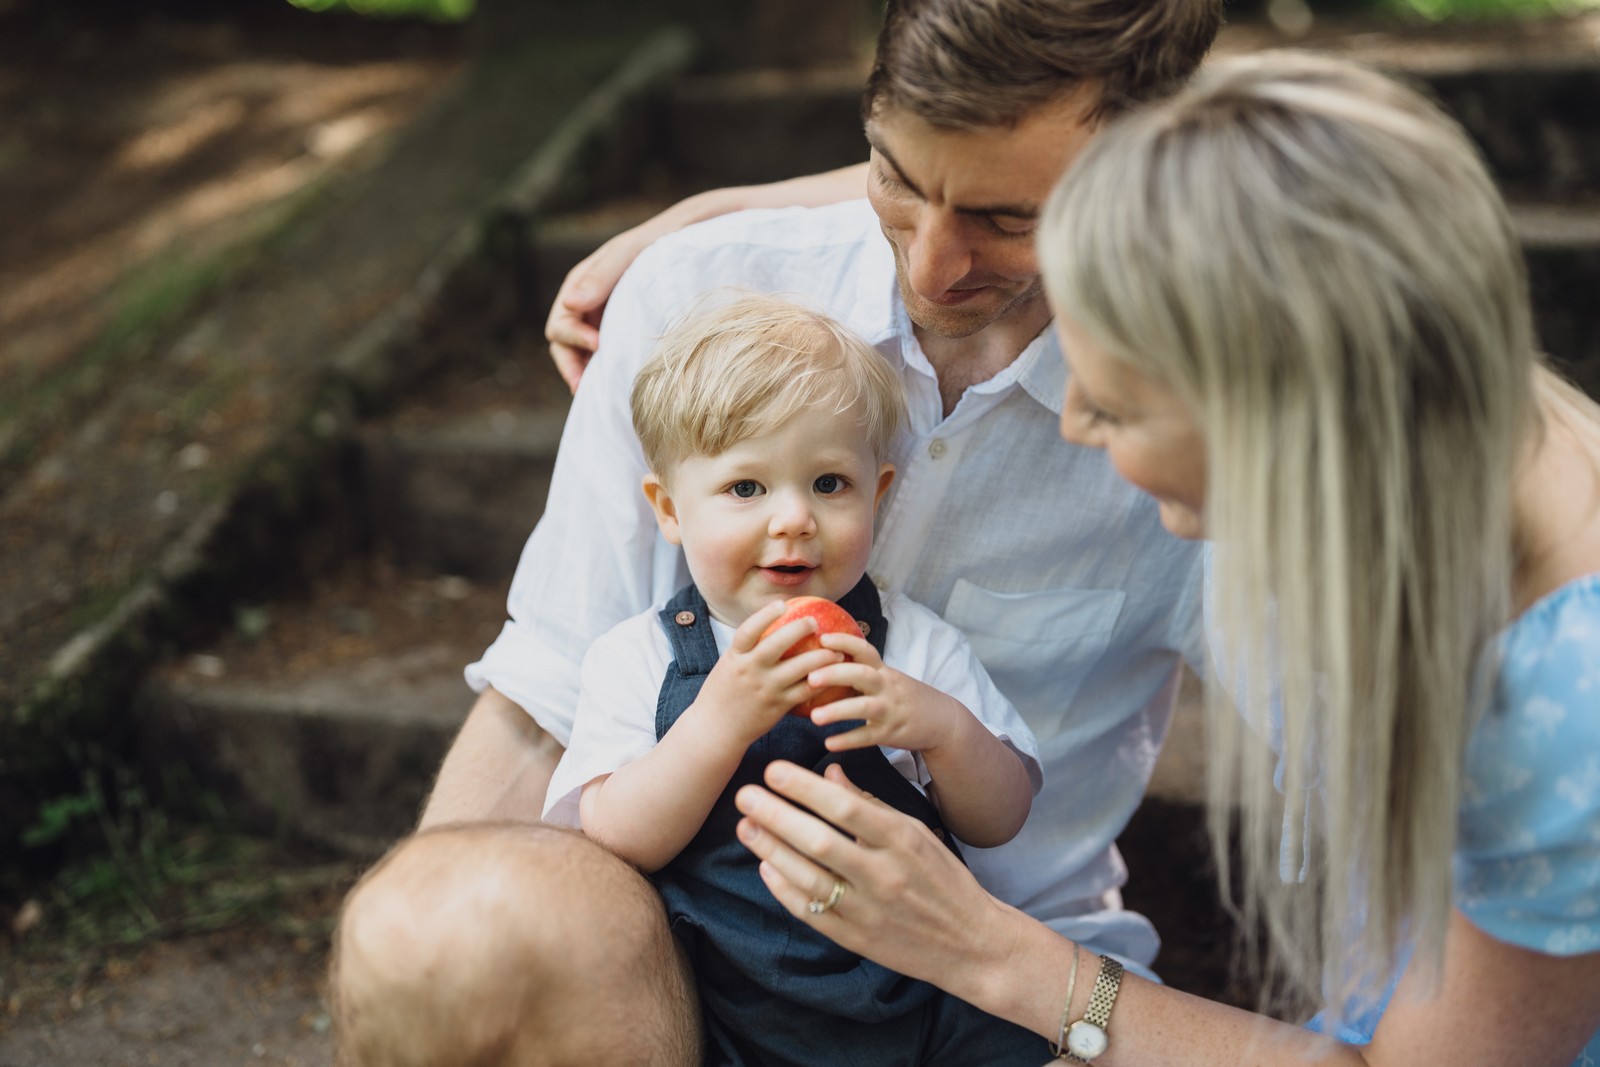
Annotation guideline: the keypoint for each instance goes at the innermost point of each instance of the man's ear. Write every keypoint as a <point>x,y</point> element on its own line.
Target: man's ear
<point>655,491</point>
<point>885,477</point>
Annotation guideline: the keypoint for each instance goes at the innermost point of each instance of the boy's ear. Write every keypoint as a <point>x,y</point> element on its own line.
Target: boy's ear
<point>885,477</point>
<point>655,491</point>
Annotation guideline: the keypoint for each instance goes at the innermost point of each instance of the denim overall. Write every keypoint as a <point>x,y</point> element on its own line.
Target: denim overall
<point>773,991</point>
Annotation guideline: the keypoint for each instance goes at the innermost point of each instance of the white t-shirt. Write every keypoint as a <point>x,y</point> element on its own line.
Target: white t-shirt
<point>623,672</point>
<point>1059,573</point>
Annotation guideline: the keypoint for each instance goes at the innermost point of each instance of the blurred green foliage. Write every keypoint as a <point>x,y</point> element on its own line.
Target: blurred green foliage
<point>1443,9</point>
<point>433,10</point>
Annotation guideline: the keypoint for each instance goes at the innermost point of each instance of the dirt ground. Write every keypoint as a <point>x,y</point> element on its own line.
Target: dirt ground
<point>251,994</point>
<point>140,143</point>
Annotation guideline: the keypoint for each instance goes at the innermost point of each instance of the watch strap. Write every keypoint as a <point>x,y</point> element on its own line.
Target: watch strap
<point>1106,987</point>
<point>1097,1015</point>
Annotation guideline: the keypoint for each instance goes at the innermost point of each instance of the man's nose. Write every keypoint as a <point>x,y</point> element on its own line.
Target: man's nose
<point>939,255</point>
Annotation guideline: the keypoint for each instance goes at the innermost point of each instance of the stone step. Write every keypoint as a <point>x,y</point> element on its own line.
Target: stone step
<point>762,125</point>
<point>1523,89</point>
<point>325,717</point>
<point>557,243</point>
<point>1525,93</point>
<point>1562,244</point>
<point>458,494</point>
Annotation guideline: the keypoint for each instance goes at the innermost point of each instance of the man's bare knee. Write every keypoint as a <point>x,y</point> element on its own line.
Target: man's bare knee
<point>509,943</point>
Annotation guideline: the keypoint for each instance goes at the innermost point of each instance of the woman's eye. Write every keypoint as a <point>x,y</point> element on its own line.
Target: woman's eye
<point>1097,417</point>
<point>745,489</point>
<point>829,483</point>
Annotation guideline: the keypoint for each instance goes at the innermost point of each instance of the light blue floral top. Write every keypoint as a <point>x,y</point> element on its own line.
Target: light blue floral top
<point>1527,862</point>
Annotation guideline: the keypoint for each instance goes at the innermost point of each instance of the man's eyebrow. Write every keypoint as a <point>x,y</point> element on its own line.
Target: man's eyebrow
<point>1011,211</point>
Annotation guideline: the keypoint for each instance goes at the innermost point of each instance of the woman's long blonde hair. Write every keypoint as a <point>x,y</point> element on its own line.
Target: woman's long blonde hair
<point>1315,258</point>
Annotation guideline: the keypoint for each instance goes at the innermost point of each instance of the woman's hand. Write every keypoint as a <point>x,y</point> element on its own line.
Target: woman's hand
<point>908,903</point>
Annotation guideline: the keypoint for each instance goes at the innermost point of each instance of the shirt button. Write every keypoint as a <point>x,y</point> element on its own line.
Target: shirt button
<point>684,618</point>
<point>937,447</point>
<point>883,586</point>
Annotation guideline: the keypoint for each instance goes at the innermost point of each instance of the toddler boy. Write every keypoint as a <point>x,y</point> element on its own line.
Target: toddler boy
<point>764,425</point>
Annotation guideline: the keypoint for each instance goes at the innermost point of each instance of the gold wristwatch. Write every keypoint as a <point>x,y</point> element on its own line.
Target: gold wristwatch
<point>1086,1038</point>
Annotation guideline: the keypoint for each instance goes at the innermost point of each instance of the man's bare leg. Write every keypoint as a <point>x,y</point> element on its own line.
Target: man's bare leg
<point>498,767</point>
<point>509,943</point>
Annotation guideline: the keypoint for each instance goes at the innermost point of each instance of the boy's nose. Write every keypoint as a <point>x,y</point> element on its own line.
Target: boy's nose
<point>791,516</point>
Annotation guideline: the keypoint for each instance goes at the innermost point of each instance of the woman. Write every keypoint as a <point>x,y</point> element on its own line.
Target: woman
<point>1295,314</point>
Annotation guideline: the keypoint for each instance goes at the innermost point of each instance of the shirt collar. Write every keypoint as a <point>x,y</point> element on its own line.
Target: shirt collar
<point>1042,371</point>
<point>1039,370</point>
<point>878,309</point>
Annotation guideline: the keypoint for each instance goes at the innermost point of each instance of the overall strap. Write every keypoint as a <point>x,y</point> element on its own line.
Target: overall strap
<point>687,621</point>
<point>864,606</point>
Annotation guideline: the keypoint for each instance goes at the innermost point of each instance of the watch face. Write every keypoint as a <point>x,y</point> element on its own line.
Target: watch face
<point>1086,1040</point>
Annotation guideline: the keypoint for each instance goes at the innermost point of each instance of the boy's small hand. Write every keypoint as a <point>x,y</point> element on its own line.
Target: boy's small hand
<point>900,711</point>
<point>752,686</point>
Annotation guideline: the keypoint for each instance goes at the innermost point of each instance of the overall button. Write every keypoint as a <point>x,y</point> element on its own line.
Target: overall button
<point>684,618</point>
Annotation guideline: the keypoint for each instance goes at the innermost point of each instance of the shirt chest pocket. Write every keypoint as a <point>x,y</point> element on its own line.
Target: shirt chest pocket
<point>1037,646</point>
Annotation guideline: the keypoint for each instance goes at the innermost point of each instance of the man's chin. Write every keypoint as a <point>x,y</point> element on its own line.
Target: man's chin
<point>953,323</point>
<point>973,315</point>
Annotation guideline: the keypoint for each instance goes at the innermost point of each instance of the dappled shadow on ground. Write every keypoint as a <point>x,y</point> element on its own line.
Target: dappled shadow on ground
<point>138,149</point>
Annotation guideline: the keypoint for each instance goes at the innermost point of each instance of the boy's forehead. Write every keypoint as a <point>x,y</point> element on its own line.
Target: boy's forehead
<point>825,428</point>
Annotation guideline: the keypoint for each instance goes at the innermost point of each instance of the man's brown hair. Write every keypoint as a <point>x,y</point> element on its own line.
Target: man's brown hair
<point>967,64</point>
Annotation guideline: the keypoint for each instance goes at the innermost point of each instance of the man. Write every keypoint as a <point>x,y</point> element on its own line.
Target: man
<point>1077,602</point>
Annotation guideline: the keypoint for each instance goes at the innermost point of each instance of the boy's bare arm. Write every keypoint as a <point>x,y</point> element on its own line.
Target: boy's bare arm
<point>980,784</point>
<point>648,810</point>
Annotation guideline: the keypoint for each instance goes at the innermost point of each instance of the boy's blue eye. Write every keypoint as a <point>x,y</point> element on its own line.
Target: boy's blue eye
<point>829,483</point>
<point>745,489</point>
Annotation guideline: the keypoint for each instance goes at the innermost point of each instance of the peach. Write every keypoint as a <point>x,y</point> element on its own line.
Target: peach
<point>831,618</point>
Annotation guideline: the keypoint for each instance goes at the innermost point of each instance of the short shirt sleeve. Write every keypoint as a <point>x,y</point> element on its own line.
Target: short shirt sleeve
<point>926,647</point>
<point>1527,863</point>
<point>615,722</point>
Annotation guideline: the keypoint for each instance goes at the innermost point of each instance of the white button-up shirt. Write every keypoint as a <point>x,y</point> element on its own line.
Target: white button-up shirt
<point>1073,596</point>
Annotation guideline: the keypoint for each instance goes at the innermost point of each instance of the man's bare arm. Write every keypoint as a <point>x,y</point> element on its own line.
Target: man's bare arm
<point>498,767</point>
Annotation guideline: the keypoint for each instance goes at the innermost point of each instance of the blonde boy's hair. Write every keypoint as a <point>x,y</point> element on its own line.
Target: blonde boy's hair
<point>1317,260</point>
<point>728,373</point>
